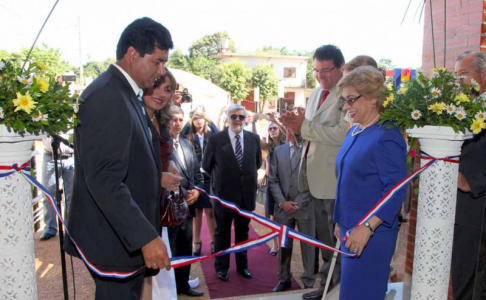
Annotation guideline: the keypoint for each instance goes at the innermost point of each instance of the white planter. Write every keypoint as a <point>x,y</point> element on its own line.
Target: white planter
<point>436,212</point>
<point>17,270</point>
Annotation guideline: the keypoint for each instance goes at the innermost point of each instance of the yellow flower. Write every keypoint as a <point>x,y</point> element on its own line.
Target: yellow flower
<point>475,85</point>
<point>462,98</point>
<point>389,100</point>
<point>44,85</point>
<point>477,126</point>
<point>390,86</point>
<point>24,102</point>
<point>437,107</point>
<point>403,90</point>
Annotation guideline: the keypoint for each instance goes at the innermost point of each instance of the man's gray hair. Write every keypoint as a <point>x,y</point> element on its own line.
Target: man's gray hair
<point>479,62</point>
<point>174,109</point>
<point>234,107</point>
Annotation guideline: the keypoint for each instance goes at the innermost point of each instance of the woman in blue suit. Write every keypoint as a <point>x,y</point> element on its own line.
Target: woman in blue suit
<point>371,161</point>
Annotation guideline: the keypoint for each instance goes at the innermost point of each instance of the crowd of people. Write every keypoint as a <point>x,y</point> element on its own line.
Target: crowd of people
<point>326,165</point>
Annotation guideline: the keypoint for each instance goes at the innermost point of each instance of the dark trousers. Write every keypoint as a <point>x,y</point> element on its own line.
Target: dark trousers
<point>324,210</point>
<point>180,239</point>
<point>121,289</point>
<point>222,237</point>
<point>465,248</point>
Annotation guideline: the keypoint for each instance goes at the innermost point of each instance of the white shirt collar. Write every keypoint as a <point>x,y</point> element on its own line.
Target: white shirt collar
<point>133,84</point>
<point>232,134</point>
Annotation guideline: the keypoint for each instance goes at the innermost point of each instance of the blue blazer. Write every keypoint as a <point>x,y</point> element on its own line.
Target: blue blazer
<point>368,165</point>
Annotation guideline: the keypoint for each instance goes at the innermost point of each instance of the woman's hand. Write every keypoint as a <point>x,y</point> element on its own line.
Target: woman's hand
<point>358,239</point>
<point>255,118</point>
<point>337,232</point>
<point>170,181</point>
<point>192,196</point>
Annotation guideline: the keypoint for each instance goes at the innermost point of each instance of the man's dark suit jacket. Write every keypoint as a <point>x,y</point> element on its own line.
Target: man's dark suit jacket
<point>115,207</point>
<point>191,173</point>
<point>227,180</point>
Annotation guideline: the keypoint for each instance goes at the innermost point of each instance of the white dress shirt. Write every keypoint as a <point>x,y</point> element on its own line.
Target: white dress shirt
<point>233,140</point>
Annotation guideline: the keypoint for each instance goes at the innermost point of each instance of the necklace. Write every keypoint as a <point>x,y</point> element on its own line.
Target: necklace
<point>152,118</point>
<point>366,126</point>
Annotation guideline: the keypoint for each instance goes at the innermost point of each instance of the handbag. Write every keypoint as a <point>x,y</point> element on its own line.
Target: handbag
<point>261,190</point>
<point>175,209</point>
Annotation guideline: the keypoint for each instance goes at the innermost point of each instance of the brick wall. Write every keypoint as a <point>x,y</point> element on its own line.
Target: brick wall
<point>463,30</point>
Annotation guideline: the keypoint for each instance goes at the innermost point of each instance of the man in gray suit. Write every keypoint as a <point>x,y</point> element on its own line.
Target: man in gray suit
<point>291,208</point>
<point>323,128</point>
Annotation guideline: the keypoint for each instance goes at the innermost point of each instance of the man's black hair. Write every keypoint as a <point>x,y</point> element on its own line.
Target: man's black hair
<point>144,35</point>
<point>329,52</point>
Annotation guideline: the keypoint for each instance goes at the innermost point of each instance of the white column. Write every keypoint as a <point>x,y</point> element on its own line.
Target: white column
<point>435,213</point>
<point>17,270</point>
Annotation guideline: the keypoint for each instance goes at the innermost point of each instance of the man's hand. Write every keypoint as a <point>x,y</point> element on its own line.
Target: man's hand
<point>293,119</point>
<point>462,183</point>
<point>192,196</point>
<point>289,207</point>
<point>155,255</point>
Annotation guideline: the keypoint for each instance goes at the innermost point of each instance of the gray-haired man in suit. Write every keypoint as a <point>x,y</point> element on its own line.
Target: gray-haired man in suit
<point>292,207</point>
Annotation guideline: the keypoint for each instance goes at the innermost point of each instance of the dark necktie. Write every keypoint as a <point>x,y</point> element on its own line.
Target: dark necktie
<point>238,151</point>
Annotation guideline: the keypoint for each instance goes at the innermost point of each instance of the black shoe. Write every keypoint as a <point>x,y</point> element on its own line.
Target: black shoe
<point>223,275</point>
<point>192,293</point>
<point>315,295</point>
<point>197,251</point>
<point>308,287</point>
<point>282,286</point>
<point>245,273</point>
<point>45,236</point>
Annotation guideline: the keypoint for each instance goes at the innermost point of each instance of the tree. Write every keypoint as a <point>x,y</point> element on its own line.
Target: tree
<point>177,60</point>
<point>203,67</point>
<point>263,77</point>
<point>233,77</point>
<point>50,58</point>
<point>95,68</point>
<point>210,45</point>
<point>386,64</point>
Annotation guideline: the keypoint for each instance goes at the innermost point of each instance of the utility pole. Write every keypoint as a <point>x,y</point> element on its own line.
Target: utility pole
<point>81,71</point>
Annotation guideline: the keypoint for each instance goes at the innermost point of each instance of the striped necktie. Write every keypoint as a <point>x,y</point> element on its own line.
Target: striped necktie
<point>140,101</point>
<point>238,151</point>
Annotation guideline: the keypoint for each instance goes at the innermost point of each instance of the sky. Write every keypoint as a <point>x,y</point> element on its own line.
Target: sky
<point>358,27</point>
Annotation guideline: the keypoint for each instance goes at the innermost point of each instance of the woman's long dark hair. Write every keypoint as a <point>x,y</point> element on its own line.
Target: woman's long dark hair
<point>272,143</point>
<point>163,116</point>
<point>192,130</point>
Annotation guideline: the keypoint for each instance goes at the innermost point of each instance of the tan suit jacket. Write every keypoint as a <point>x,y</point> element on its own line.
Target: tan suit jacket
<point>325,128</point>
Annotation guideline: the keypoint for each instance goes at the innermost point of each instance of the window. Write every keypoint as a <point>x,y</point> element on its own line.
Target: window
<point>289,72</point>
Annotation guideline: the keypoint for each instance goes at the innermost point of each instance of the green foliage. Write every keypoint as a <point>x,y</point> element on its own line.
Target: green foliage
<point>386,64</point>
<point>179,61</point>
<point>33,101</point>
<point>233,76</point>
<point>95,68</point>
<point>203,67</point>
<point>263,76</point>
<point>442,100</point>
<point>210,45</point>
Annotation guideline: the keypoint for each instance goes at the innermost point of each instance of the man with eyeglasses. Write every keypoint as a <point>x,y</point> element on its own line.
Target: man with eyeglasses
<point>322,127</point>
<point>232,158</point>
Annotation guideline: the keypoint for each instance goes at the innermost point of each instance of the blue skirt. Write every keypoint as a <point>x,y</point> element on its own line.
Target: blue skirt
<point>366,277</point>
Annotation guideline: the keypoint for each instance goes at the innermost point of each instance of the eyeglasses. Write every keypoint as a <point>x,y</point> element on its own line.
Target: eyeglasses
<point>241,117</point>
<point>349,101</point>
<point>272,128</point>
<point>324,71</point>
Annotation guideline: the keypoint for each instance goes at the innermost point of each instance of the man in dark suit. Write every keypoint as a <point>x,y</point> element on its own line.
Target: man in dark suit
<point>232,157</point>
<point>292,208</point>
<point>471,186</point>
<point>115,209</point>
<point>188,167</point>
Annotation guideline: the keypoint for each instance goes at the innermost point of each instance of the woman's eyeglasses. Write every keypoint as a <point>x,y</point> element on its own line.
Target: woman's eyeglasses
<point>241,117</point>
<point>349,101</point>
<point>272,128</point>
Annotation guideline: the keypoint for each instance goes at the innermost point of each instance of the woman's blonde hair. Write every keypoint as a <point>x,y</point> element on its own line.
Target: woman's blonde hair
<point>367,81</point>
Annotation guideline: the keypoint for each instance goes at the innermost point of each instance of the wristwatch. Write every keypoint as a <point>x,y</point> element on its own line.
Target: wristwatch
<point>367,224</point>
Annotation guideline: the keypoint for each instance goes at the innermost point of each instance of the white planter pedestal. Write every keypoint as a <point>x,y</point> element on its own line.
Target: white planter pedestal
<point>17,270</point>
<point>436,212</point>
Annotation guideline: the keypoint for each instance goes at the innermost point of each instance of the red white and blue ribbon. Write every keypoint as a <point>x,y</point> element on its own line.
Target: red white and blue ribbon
<point>24,169</point>
<point>400,185</point>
